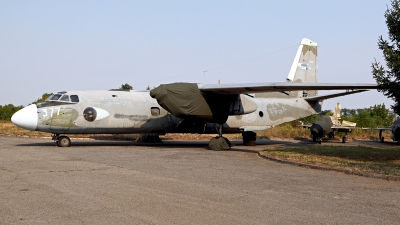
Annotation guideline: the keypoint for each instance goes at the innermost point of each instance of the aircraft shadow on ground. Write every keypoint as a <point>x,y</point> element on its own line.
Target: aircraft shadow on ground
<point>237,145</point>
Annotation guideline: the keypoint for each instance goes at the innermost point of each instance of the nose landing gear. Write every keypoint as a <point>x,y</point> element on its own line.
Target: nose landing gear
<point>61,141</point>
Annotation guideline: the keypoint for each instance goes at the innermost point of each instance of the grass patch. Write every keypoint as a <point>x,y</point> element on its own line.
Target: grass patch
<point>379,160</point>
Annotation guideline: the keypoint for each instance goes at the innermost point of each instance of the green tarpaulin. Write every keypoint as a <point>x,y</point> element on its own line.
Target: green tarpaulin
<point>184,100</point>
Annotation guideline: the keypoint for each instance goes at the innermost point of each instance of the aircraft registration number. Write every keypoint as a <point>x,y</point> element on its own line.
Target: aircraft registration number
<point>50,111</point>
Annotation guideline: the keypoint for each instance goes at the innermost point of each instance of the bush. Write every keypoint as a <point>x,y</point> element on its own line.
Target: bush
<point>7,111</point>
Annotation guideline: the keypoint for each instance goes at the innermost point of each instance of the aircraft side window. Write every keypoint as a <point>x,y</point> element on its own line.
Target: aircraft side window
<point>64,98</point>
<point>74,98</point>
<point>155,111</point>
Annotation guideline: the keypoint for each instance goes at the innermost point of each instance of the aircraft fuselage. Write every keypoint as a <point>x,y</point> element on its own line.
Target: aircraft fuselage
<point>119,112</point>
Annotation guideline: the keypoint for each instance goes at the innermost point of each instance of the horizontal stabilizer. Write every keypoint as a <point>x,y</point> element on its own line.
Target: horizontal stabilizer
<point>324,97</point>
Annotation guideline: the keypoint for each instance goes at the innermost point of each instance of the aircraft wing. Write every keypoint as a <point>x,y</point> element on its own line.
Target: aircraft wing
<point>324,97</point>
<point>279,87</point>
<point>376,128</point>
<point>336,128</point>
<point>342,129</point>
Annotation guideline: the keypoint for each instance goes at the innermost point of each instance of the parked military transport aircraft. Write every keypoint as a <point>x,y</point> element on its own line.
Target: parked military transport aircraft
<point>188,108</point>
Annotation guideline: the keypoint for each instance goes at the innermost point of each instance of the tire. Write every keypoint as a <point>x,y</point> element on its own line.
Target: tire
<point>249,138</point>
<point>249,143</point>
<point>344,139</point>
<point>383,139</point>
<point>63,141</point>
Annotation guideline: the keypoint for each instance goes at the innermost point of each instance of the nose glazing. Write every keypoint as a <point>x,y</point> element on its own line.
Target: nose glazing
<point>26,118</point>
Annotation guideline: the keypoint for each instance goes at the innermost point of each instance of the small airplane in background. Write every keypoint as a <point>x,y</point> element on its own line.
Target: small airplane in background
<point>329,125</point>
<point>188,107</point>
<point>394,128</point>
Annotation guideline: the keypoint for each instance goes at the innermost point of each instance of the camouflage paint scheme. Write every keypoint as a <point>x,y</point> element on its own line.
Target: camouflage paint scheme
<point>252,106</point>
<point>130,112</point>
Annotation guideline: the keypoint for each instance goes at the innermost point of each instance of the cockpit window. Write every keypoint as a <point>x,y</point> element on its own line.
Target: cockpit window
<point>59,99</point>
<point>74,98</point>
<point>54,97</point>
<point>64,98</point>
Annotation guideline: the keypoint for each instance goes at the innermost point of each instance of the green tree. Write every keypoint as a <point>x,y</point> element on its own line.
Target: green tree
<point>126,87</point>
<point>381,115</point>
<point>43,98</point>
<point>388,80</point>
<point>7,111</point>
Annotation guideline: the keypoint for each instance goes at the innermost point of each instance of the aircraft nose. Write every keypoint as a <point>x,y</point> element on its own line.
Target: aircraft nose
<point>26,118</point>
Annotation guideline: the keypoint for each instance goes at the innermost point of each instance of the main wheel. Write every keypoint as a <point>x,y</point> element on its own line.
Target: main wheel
<point>249,138</point>
<point>63,141</point>
<point>382,139</point>
<point>344,139</point>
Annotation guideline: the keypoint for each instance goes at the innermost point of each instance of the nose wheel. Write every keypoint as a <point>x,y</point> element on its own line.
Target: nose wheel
<point>61,141</point>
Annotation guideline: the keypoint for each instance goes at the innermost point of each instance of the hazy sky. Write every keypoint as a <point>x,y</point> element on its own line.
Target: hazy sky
<point>51,46</point>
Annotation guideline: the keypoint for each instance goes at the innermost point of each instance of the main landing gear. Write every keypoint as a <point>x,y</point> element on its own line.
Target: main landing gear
<point>249,138</point>
<point>61,141</point>
<point>381,138</point>
<point>344,138</point>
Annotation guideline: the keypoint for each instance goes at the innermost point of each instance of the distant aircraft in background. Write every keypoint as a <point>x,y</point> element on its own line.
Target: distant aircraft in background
<point>188,107</point>
<point>394,128</point>
<point>329,125</point>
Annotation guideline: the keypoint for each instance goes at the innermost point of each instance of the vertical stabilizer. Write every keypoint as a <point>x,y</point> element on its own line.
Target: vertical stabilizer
<point>336,113</point>
<point>304,68</point>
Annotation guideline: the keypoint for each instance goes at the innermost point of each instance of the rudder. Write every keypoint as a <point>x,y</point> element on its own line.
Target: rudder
<point>304,68</point>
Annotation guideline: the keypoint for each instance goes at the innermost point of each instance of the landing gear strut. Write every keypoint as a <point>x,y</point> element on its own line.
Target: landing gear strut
<point>344,138</point>
<point>61,141</point>
<point>381,138</point>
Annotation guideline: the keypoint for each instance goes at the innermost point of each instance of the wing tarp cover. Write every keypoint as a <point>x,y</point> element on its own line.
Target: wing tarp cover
<point>182,100</point>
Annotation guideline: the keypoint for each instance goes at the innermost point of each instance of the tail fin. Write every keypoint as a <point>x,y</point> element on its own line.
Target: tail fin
<point>336,113</point>
<point>304,70</point>
<point>304,67</point>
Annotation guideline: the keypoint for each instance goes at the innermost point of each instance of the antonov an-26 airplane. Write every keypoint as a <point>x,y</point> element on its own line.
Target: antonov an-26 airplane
<point>187,107</point>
